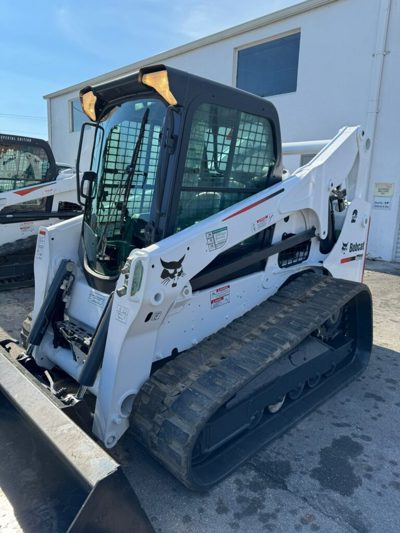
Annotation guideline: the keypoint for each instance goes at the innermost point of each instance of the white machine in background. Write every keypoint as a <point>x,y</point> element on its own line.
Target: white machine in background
<point>33,192</point>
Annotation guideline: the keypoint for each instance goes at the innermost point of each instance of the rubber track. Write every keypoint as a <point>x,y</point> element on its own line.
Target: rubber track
<point>16,247</point>
<point>174,405</point>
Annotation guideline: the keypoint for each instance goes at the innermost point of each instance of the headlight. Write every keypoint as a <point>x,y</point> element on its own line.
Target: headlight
<point>88,103</point>
<point>159,81</point>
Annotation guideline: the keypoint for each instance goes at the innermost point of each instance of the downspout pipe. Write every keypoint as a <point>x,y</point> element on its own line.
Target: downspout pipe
<point>375,85</point>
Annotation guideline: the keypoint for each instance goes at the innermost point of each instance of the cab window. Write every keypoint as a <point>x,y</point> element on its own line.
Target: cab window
<point>22,165</point>
<point>230,156</point>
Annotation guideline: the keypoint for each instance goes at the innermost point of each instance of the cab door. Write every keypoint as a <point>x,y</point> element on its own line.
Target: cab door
<point>26,165</point>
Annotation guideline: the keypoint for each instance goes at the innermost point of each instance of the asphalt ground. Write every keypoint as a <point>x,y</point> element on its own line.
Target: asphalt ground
<point>336,471</point>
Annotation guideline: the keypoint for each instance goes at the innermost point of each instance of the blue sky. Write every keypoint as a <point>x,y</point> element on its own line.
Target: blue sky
<point>50,44</point>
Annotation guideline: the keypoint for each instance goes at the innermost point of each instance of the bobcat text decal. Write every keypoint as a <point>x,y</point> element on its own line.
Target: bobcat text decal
<point>356,246</point>
<point>352,247</point>
<point>172,271</point>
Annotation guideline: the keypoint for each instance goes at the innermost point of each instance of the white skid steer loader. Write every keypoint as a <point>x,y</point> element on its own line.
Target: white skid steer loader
<point>200,300</point>
<point>33,193</point>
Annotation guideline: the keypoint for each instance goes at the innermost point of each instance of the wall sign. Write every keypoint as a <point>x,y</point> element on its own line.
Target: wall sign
<point>383,195</point>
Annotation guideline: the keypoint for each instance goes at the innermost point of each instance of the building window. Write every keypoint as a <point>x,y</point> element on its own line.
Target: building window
<point>78,117</point>
<point>269,68</point>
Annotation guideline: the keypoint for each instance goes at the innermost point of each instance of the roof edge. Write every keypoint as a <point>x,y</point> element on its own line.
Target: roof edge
<point>244,27</point>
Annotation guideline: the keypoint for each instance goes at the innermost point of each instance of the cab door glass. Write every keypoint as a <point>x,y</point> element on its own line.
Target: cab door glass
<point>21,166</point>
<point>229,157</point>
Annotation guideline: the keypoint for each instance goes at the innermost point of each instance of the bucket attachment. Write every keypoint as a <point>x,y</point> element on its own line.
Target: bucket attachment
<point>109,502</point>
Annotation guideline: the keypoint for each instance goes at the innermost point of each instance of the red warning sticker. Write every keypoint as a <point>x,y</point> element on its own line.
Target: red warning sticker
<point>220,296</point>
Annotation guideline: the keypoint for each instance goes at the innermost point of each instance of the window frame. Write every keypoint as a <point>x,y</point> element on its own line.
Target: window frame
<point>148,155</point>
<point>226,99</point>
<point>258,42</point>
<point>239,118</point>
<point>71,115</point>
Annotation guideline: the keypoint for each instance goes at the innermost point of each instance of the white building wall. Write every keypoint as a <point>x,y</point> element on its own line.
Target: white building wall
<point>385,165</point>
<point>335,63</point>
<point>63,141</point>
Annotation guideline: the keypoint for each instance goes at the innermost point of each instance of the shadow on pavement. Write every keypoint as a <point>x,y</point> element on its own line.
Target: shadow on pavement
<point>383,266</point>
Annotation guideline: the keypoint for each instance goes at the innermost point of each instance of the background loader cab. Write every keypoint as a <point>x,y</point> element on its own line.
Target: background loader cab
<point>170,150</point>
<point>33,192</point>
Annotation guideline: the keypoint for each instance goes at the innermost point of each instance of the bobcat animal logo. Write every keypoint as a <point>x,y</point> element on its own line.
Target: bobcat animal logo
<point>172,271</point>
<point>354,216</point>
<point>344,246</point>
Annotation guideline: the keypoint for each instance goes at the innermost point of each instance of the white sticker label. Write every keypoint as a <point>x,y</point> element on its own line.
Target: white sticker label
<point>384,189</point>
<point>382,203</point>
<point>216,238</point>
<point>262,222</point>
<point>26,227</point>
<point>40,245</point>
<point>121,314</point>
<point>220,296</point>
<point>97,298</point>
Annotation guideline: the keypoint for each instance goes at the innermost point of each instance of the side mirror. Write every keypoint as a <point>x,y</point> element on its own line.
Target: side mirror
<point>88,185</point>
<point>93,142</point>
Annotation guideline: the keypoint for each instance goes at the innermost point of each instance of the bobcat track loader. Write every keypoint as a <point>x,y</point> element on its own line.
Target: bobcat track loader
<point>33,193</point>
<point>201,301</point>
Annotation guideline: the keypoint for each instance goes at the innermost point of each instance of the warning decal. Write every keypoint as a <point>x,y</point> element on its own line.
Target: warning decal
<point>40,243</point>
<point>216,238</point>
<point>262,223</point>
<point>26,227</point>
<point>96,298</point>
<point>121,313</point>
<point>220,296</point>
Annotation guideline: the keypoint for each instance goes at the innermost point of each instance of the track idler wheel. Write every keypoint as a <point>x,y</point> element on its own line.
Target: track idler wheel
<point>330,371</point>
<point>256,419</point>
<point>277,406</point>
<point>313,380</point>
<point>295,394</point>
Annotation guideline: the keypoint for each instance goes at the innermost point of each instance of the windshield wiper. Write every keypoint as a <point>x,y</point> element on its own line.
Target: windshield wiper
<point>135,158</point>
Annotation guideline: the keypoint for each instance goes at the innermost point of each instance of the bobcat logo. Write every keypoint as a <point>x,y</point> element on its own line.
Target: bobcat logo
<point>172,271</point>
<point>354,216</point>
<point>344,246</point>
